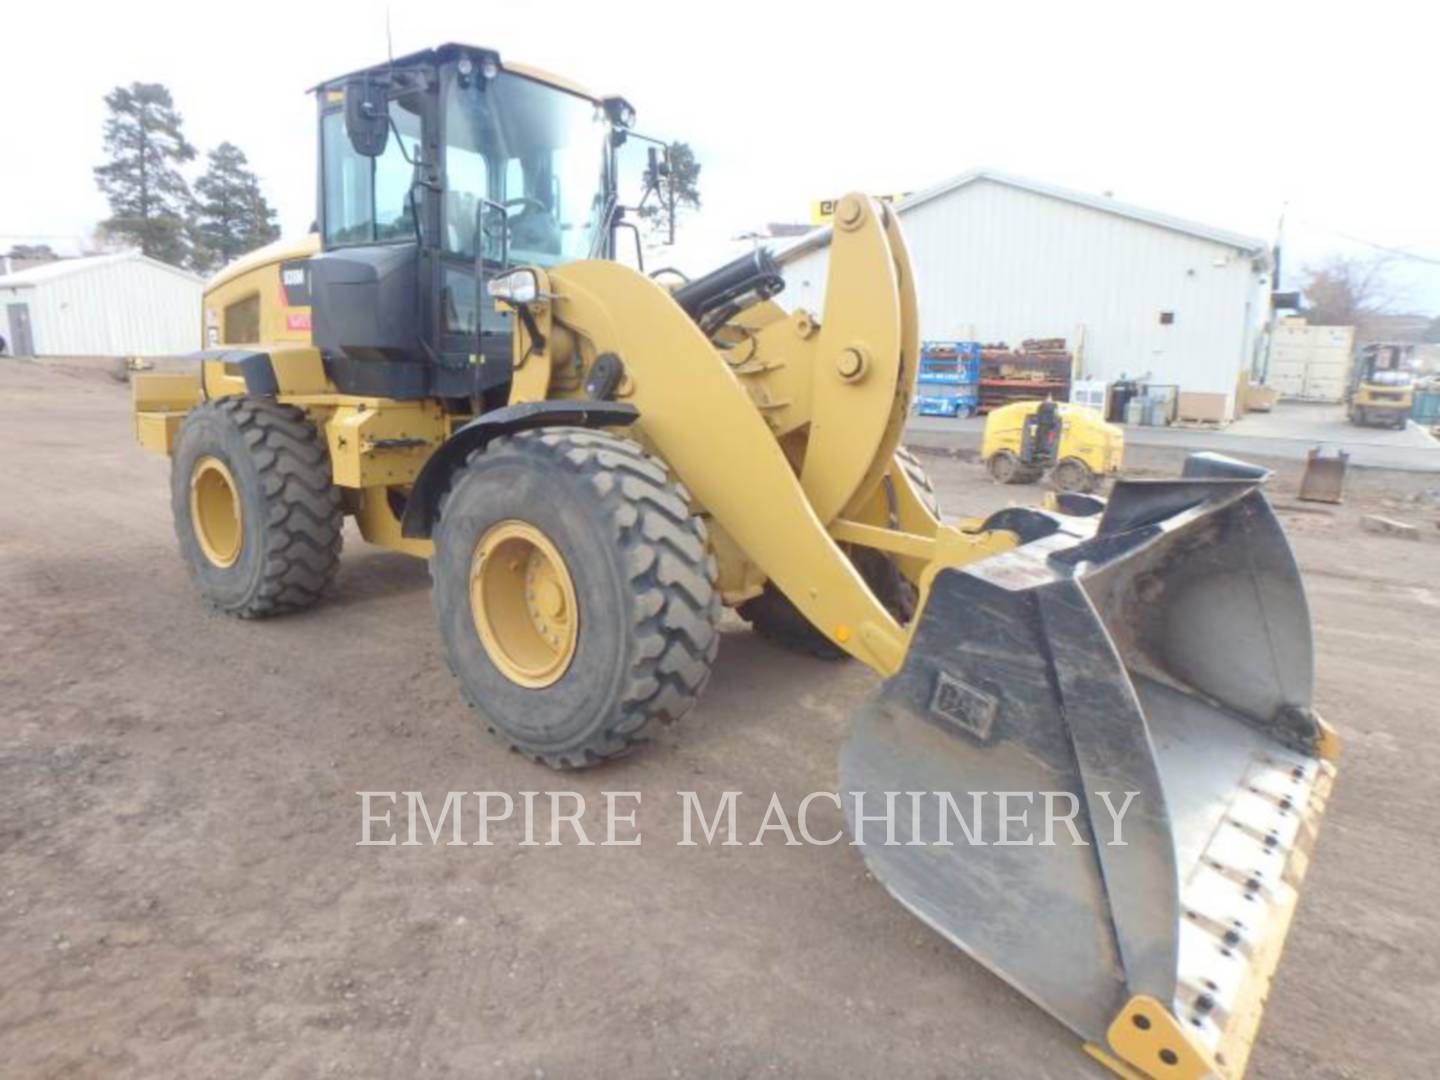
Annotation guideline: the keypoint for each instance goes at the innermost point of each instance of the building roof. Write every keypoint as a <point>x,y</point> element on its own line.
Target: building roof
<point>1249,245</point>
<point>13,265</point>
<point>1103,203</point>
<point>60,268</point>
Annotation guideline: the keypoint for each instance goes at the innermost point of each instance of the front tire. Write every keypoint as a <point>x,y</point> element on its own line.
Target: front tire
<point>920,478</point>
<point>775,618</point>
<point>1073,475</point>
<point>575,594</point>
<point>256,514</point>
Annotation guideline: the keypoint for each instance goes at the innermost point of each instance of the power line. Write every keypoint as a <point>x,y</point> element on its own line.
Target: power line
<point>1429,260</point>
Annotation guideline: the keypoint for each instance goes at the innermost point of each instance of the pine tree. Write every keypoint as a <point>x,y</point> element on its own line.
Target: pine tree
<point>230,214</point>
<point>676,183</point>
<point>148,196</point>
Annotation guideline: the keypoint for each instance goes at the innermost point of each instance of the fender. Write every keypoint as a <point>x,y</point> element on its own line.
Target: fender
<point>265,371</point>
<point>434,478</point>
<point>252,365</point>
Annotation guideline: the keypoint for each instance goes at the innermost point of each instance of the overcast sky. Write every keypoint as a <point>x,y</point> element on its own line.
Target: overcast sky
<point>1224,113</point>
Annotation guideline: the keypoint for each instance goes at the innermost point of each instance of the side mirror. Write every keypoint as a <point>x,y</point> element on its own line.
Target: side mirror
<point>367,116</point>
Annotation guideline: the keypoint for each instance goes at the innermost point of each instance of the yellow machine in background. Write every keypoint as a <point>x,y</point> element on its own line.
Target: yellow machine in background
<point>594,464</point>
<point>1074,443</point>
<point>1382,390</point>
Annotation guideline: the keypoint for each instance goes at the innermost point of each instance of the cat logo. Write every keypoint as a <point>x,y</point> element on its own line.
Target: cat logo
<point>822,211</point>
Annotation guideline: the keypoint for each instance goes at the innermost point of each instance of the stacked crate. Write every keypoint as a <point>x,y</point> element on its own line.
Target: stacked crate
<point>949,380</point>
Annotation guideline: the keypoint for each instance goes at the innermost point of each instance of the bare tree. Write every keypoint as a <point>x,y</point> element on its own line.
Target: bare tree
<point>1346,291</point>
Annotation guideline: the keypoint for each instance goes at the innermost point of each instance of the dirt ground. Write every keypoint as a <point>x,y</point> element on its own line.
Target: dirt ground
<point>181,893</point>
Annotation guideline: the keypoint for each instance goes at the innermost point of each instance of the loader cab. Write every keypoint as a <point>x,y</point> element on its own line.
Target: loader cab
<point>436,171</point>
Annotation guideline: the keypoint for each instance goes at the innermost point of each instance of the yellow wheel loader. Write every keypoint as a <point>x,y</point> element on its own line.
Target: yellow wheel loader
<point>594,463</point>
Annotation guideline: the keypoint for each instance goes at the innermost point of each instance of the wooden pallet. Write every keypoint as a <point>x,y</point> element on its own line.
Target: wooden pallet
<point>1199,425</point>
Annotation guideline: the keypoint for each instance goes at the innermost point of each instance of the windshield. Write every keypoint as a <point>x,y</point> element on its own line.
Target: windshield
<point>538,151</point>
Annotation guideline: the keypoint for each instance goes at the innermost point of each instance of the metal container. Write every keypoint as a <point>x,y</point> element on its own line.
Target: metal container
<point>1426,407</point>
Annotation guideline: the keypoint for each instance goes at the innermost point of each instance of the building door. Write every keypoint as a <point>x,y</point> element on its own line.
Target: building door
<point>23,343</point>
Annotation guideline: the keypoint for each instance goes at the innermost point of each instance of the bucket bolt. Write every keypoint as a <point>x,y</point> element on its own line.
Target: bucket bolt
<point>852,363</point>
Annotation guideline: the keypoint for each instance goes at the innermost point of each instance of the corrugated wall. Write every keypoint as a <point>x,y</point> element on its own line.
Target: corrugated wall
<point>999,263</point>
<point>125,308</point>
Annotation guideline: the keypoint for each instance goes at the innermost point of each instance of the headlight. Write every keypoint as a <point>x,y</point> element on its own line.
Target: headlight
<point>620,111</point>
<point>516,287</point>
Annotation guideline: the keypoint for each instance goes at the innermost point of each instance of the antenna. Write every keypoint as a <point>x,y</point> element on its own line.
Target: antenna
<point>1279,248</point>
<point>389,40</point>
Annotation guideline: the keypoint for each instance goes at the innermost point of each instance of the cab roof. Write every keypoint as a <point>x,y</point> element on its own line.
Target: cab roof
<point>452,50</point>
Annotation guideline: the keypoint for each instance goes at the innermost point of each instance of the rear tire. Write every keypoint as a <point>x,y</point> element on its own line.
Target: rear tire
<point>1005,468</point>
<point>256,514</point>
<point>637,565</point>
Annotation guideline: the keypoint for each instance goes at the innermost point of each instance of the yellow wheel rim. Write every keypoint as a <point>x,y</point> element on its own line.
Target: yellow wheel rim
<point>523,603</point>
<point>215,511</point>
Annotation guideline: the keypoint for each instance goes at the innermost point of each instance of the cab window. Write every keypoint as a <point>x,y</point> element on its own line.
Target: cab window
<point>369,199</point>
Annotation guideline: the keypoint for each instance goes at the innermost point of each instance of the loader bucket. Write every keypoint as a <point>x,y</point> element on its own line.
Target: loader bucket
<point>1324,477</point>
<point>1157,643</point>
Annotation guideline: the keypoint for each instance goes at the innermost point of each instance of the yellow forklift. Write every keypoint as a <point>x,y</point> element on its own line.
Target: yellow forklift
<point>1382,387</point>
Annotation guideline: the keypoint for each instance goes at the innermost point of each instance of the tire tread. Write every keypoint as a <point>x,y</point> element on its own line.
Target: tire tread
<point>304,516</point>
<point>674,610</point>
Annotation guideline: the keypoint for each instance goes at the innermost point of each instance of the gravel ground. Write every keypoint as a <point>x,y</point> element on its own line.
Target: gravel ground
<point>181,893</point>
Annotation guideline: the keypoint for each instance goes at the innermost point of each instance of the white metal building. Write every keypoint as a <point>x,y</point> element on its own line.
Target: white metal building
<point>102,305</point>
<point>1134,292</point>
